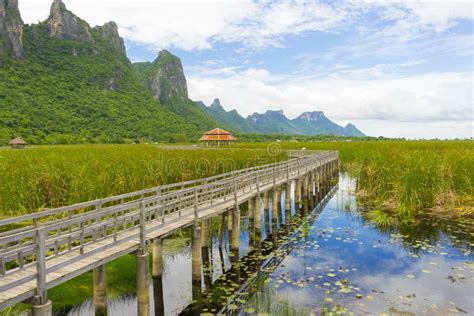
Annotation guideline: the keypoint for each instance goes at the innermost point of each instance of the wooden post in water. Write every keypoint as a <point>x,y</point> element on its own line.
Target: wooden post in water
<point>157,258</point>
<point>251,209</point>
<point>205,233</point>
<point>143,285</point>
<point>275,205</point>
<point>298,191</point>
<point>196,261</point>
<point>258,213</point>
<point>305,188</point>
<point>288,196</point>
<point>229,224</point>
<point>265,200</point>
<point>100,290</point>
<point>156,273</point>
<point>205,240</point>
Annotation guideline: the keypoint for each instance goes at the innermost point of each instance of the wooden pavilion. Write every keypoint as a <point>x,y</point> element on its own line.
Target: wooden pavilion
<point>218,137</point>
<point>17,143</point>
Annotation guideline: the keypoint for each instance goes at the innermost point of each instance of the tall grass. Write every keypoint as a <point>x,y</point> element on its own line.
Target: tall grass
<point>52,176</point>
<point>406,176</point>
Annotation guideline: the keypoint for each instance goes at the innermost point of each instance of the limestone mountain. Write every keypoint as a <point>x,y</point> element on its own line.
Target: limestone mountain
<point>351,130</point>
<point>11,29</point>
<point>75,84</point>
<point>164,79</point>
<point>316,123</point>
<point>231,119</point>
<point>272,122</point>
<point>63,24</point>
<point>275,122</point>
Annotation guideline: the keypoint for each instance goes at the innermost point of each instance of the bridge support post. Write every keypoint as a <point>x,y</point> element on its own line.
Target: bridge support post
<point>229,223</point>
<point>196,262</point>
<point>275,205</point>
<point>100,291</point>
<point>258,213</point>
<point>205,231</point>
<point>265,200</point>
<point>235,241</point>
<point>298,191</point>
<point>143,294</point>
<point>43,310</point>
<point>305,187</point>
<point>288,196</point>
<point>251,209</point>
<point>157,259</point>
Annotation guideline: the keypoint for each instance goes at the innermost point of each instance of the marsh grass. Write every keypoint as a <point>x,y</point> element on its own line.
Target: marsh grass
<point>51,176</point>
<point>406,176</point>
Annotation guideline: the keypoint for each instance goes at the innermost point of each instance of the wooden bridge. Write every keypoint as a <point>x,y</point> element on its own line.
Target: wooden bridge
<point>41,250</point>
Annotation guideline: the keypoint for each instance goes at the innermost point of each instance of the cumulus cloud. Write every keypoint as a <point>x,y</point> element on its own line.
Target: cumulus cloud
<point>197,24</point>
<point>368,97</point>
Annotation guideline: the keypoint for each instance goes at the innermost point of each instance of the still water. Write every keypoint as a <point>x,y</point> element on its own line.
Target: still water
<point>314,262</point>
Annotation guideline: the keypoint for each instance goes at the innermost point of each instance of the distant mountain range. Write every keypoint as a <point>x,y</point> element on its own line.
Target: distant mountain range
<point>275,122</point>
<point>63,81</point>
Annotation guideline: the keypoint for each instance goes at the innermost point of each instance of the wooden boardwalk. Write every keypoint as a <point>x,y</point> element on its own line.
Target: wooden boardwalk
<point>41,250</point>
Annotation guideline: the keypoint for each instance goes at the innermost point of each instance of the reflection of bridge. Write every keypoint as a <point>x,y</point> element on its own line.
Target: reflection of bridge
<point>56,245</point>
<point>251,270</point>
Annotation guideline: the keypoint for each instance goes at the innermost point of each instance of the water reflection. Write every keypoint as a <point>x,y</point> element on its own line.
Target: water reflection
<point>314,257</point>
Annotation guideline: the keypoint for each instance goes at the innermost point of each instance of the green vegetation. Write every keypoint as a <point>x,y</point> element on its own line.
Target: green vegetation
<point>51,176</point>
<point>406,176</point>
<point>71,92</point>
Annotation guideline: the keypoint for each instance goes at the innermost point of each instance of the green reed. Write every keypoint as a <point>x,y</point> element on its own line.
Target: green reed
<point>50,176</point>
<point>407,176</point>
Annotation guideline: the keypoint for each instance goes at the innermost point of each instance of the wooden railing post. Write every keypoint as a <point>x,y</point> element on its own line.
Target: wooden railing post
<point>142,249</point>
<point>196,215</point>
<point>41,290</point>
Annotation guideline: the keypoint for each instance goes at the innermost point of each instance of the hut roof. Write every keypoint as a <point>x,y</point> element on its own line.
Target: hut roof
<point>18,141</point>
<point>217,134</point>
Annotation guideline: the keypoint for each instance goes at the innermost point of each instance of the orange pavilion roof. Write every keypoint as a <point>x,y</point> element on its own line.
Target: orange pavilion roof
<point>217,134</point>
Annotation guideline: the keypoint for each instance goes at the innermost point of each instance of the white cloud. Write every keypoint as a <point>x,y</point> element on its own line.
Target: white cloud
<point>199,24</point>
<point>439,103</point>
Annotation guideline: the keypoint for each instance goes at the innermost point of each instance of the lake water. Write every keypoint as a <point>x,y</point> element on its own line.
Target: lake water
<point>328,259</point>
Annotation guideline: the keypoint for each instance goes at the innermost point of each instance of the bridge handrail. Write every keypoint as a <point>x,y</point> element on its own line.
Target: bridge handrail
<point>75,232</point>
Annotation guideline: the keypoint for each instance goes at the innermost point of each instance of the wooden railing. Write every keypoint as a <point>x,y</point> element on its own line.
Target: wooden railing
<point>27,242</point>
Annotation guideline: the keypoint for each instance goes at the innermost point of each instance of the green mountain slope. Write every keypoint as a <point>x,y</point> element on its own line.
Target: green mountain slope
<point>75,84</point>
<point>275,122</point>
<point>164,79</point>
<point>231,119</point>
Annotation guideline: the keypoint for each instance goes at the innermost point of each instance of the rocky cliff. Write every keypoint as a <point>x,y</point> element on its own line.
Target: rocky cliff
<point>109,32</point>
<point>63,24</point>
<point>164,78</point>
<point>11,29</point>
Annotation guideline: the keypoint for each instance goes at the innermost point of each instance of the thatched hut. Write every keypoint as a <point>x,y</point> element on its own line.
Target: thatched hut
<point>17,143</point>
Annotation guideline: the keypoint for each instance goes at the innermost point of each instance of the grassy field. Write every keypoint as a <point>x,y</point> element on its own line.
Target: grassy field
<point>400,175</point>
<point>51,176</point>
<point>406,176</point>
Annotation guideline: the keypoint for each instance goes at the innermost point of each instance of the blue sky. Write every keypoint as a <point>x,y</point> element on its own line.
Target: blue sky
<point>393,68</point>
